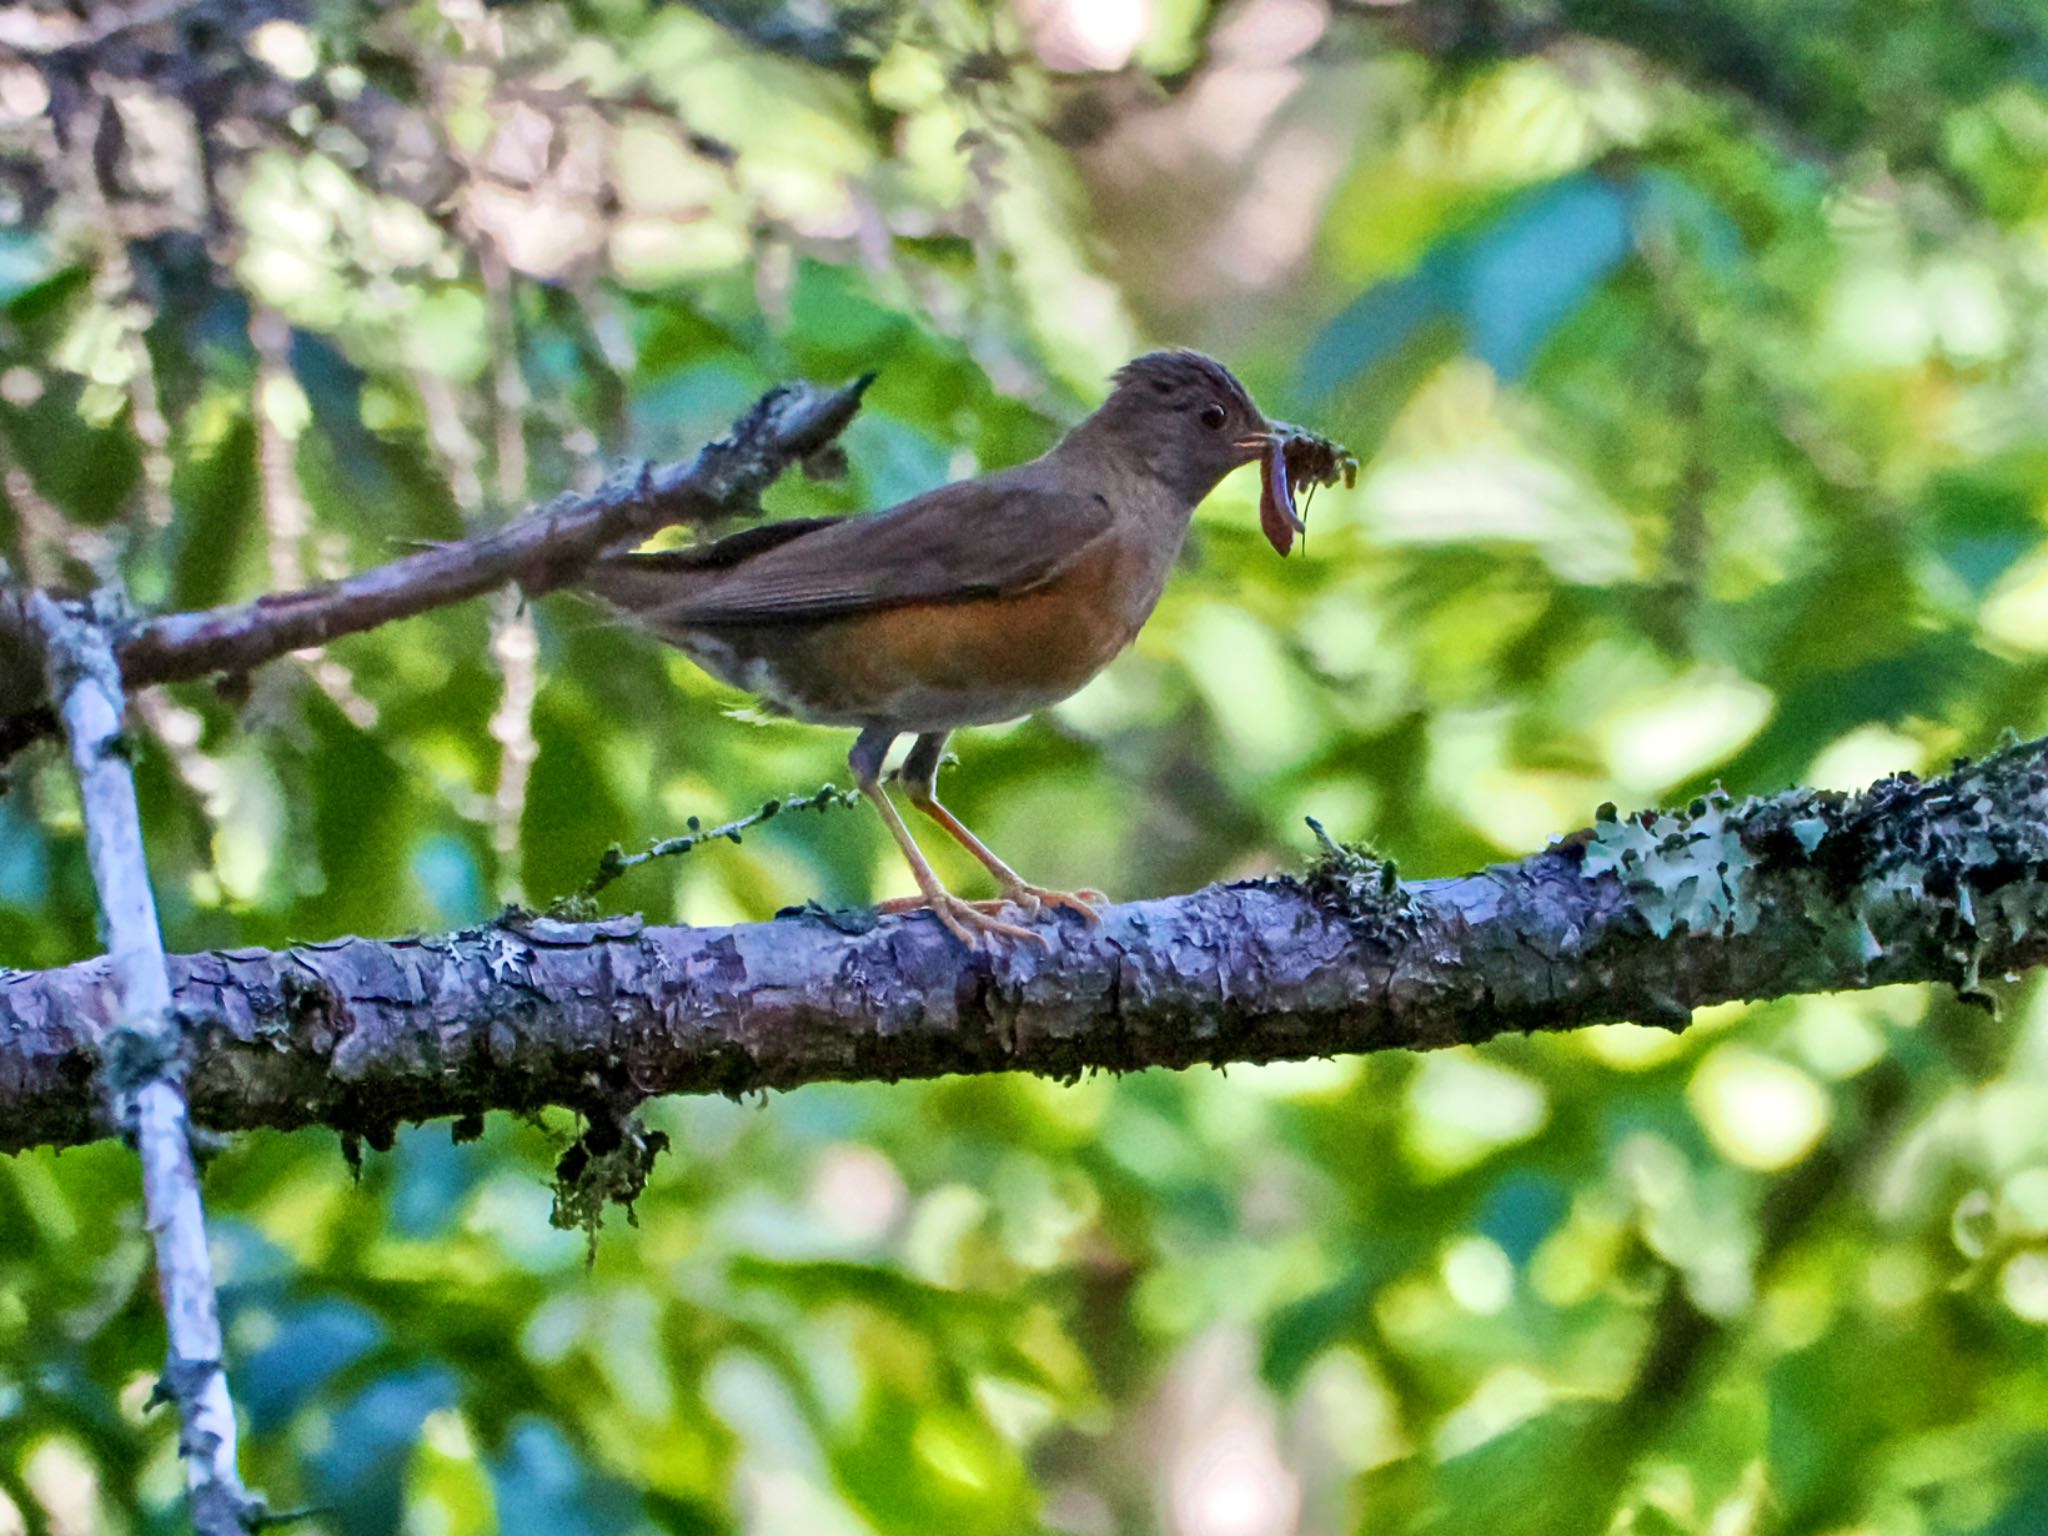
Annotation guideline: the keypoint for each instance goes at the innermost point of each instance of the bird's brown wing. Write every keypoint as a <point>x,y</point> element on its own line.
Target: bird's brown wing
<point>996,536</point>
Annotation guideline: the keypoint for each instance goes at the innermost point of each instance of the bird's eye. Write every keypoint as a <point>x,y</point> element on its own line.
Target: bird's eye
<point>1212,416</point>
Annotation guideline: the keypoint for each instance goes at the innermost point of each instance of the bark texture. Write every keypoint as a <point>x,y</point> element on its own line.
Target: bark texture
<point>1643,917</point>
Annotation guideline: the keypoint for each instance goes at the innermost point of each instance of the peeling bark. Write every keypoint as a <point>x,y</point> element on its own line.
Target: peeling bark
<point>1639,918</point>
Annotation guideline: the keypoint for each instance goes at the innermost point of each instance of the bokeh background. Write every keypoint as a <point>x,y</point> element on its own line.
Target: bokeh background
<point>1698,355</point>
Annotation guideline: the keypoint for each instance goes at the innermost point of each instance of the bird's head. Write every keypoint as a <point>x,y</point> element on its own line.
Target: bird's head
<point>1181,418</point>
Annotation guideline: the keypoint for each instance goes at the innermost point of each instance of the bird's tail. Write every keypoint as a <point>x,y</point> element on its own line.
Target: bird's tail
<point>645,584</point>
<point>649,586</point>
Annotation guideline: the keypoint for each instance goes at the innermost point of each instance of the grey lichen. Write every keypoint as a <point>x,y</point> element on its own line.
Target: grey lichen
<point>1979,852</point>
<point>1691,871</point>
<point>1952,867</point>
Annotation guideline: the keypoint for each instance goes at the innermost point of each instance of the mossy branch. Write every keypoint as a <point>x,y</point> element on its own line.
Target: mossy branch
<point>1643,918</point>
<point>616,861</point>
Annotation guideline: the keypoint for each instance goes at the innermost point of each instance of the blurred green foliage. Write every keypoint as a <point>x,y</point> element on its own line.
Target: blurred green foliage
<point>1700,356</point>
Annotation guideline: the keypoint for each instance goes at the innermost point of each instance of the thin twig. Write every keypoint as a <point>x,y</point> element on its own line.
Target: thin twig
<point>144,1061</point>
<point>616,863</point>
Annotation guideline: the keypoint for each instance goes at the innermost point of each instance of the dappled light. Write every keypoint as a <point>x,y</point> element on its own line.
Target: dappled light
<point>1696,358</point>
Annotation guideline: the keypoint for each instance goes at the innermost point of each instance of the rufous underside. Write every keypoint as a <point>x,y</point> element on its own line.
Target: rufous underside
<point>841,633</point>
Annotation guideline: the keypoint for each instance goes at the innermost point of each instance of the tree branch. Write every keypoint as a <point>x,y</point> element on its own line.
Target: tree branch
<point>545,550</point>
<point>141,1067</point>
<point>1645,918</point>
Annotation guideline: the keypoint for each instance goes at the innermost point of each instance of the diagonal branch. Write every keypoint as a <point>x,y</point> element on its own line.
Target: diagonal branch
<point>1643,918</point>
<point>543,551</point>
<point>141,1068</point>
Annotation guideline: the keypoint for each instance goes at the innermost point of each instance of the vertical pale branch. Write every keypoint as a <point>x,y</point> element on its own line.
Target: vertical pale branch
<point>145,1070</point>
<point>153,432</point>
<point>515,643</point>
<point>508,380</point>
<point>515,646</point>
<point>460,458</point>
<point>281,412</point>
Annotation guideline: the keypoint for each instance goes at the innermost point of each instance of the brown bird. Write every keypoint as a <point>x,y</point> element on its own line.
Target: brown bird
<point>977,602</point>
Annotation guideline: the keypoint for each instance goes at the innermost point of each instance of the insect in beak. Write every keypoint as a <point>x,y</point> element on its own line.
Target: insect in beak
<point>1289,456</point>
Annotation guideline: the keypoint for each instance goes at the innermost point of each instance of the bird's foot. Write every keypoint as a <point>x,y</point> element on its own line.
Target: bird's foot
<point>964,919</point>
<point>1034,899</point>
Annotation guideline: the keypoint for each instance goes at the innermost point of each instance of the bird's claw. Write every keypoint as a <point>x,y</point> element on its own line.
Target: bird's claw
<point>964,919</point>
<point>1033,899</point>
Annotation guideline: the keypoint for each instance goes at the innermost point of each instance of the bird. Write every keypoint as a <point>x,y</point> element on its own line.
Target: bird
<point>978,602</point>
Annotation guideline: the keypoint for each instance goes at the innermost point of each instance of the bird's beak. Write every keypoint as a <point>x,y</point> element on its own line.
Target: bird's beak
<point>1252,446</point>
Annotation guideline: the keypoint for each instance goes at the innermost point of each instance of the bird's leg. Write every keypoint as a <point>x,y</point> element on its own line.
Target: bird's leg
<point>920,783</point>
<point>962,918</point>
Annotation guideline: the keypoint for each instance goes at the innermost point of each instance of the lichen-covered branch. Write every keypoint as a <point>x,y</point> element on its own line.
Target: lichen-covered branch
<point>542,551</point>
<point>139,1077</point>
<point>1642,918</point>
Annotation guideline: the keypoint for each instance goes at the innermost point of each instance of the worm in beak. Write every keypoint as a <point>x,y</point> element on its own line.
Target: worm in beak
<point>1290,456</point>
<point>1277,517</point>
